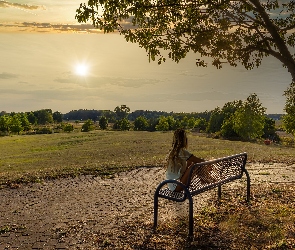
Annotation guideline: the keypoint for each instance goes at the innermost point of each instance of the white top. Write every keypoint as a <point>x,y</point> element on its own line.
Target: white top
<point>177,167</point>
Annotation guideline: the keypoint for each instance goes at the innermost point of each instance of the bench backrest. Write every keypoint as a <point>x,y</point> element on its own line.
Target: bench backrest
<point>209,174</point>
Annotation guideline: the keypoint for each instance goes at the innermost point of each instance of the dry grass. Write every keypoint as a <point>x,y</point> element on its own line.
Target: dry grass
<point>34,157</point>
<point>265,223</point>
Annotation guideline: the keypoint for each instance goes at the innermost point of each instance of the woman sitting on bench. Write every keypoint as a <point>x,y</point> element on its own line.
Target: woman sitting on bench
<point>179,160</point>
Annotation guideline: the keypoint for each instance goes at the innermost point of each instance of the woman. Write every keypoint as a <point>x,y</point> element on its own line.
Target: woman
<point>179,161</point>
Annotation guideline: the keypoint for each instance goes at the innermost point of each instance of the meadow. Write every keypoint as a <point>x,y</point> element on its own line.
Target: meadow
<point>31,158</point>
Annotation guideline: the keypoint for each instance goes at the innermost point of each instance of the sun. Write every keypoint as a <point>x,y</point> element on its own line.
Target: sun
<point>81,69</point>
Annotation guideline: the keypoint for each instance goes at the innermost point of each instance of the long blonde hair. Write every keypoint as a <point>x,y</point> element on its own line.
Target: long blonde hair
<point>179,141</point>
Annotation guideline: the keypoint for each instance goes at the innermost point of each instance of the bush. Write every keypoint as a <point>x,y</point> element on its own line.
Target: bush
<point>68,127</point>
<point>44,130</point>
<point>288,141</point>
<point>88,126</point>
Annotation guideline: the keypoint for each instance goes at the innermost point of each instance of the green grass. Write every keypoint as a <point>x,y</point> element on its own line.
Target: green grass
<point>28,158</point>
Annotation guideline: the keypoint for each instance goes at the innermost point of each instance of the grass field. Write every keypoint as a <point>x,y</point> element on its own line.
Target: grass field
<point>29,158</point>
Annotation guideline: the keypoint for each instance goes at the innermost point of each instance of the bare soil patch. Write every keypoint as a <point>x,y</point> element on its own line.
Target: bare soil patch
<point>90,212</point>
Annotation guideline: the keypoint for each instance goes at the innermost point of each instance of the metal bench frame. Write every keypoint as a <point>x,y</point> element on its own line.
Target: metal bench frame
<point>226,169</point>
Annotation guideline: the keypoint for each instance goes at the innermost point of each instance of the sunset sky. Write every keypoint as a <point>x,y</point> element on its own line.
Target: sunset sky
<point>48,60</point>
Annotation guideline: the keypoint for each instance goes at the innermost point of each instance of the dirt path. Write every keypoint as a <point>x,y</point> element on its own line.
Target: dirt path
<point>78,213</point>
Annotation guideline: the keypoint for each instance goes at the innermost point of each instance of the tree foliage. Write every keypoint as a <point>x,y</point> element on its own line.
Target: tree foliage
<point>238,119</point>
<point>269,130</point>
<point>44,116</point>
<point>103,122</point>
<point>122,112</point>
<point>141,123</point>
<point>163,124</point>
<point>249,119</point>
<point>57,116</point>
<point>289,118</point>
<point>88,126</point>
<point>32,118</point>
<point>201,124</point>
<point>167,123</point>
<point>68,127</point>
<point>25,123</point>
<point>215,121</point>
<point>4,123</point>
<point>227,114</point>
<point>122,124</point>
<point>15,123</point>
<point>229,31</point>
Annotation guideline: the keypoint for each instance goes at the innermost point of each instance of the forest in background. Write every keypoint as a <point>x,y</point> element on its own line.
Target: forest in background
<point>241,120</point>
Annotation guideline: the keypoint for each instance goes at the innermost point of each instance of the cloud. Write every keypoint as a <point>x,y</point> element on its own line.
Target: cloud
<point>64,80</point>
<point>209,95</point>
<point>6,4</point>
<point>128,82</point>
<point>49,27</point>
<point>5,75</point>
<point>98,82</point>
<point>188,73</point>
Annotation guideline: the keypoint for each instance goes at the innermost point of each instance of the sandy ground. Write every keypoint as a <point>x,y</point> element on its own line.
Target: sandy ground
<point>76,213</point>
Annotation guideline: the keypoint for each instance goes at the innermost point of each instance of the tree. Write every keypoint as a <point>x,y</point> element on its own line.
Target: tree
<point>87,126</point>
<point>4,123</point>
<point>201,124</point>
<point>44,116</point>
<point>57,116</point>
<point>32,118</point>
<point>122,112</point>
<point>125,124</point>
<point>215,121</point>
<point>163,124</point>
<point>140,123</point>
<point>15,124</point>
<point>25,121</point>
<point>103,122</point>
<point>152,123</point>
<point>289,118</point>
<point>229,31</point>
<point>249,119</point>
<point>228,112</point>
<point>227,129</point>
<point>3,113</point>
<point>122,124</point>
<point>269,130</point>
<point>171,121</point>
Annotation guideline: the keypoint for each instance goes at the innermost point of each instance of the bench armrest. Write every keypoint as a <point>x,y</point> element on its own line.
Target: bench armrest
<point>171,181</point>
<point>172,195</point>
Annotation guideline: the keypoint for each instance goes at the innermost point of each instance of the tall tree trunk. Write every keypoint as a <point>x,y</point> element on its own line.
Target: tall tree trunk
<point>284,54</point>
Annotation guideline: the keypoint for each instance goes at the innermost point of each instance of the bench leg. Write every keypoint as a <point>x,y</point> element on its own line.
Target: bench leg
<point>156,202</point>
<point>219,193</point>
<point>248,185</point>
<point>191,218</point>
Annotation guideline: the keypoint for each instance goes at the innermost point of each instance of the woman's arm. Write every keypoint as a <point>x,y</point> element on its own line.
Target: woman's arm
<point>194,159</point>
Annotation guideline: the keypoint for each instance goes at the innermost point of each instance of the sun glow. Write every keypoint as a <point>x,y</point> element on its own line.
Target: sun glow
<point>81,69</point>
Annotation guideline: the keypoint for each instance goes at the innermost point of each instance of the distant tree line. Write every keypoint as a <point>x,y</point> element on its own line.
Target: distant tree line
<point>245,120</point>
<point>25,121</point>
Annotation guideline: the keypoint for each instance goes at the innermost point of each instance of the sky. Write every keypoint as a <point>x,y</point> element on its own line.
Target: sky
<point>48,60</point>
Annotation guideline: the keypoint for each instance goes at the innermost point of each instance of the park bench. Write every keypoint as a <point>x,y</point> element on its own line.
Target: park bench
<point>203,177</point>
